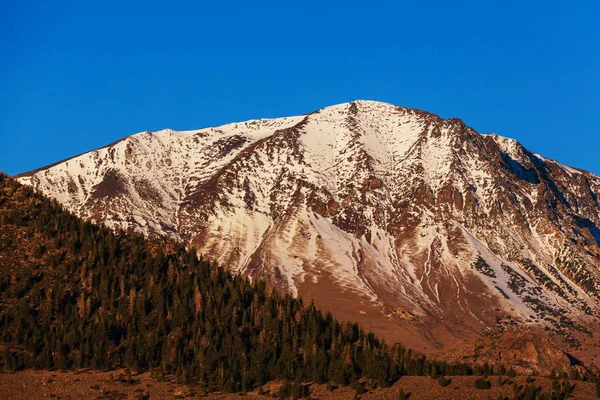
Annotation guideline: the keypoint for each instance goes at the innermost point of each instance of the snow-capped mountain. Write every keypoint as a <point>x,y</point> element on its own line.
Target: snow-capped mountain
<point>390,216</point>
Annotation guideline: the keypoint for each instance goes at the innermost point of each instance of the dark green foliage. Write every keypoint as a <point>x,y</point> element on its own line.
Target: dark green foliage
<point>298,389</point>
<point>443,382</point>
<point>531,392</point>
<point>76,295</point>
<point>482,383</point>
<point>482,266</point>
<point>598,387</point>
<point>284,390</point>
<point>485,370</point>
<point>143,396</point>
<point>500,370</point>
<point>359,387</point>
<point>560,391</point>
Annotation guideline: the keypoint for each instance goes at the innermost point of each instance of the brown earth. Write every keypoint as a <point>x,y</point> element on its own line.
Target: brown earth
<point>86,384</point>
<point>346,305</point>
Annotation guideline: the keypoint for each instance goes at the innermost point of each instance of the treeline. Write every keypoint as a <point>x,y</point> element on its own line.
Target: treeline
<point>77,295</point>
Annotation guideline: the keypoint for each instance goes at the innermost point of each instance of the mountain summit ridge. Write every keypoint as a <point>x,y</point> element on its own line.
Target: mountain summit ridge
<point>388,215</point>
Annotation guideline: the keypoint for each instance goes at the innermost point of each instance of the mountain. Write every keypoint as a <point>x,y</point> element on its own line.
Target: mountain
<point>115,315</point>
<point>75,295</point>
<point>419,228</point>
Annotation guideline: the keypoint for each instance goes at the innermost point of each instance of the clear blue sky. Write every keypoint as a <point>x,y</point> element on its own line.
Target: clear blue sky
<point>76,75</point>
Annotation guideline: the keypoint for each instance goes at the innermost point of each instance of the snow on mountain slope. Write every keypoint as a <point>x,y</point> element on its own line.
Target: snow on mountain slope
<point>424,222</point>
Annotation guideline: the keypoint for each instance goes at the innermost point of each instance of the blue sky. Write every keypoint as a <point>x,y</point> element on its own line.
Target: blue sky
<point>77,75</point>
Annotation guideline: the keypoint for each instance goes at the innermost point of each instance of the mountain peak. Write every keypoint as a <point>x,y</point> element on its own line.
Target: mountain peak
<point>364,206</point>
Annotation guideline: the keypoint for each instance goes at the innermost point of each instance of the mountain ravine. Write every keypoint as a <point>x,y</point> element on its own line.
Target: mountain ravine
<point>420,228</point>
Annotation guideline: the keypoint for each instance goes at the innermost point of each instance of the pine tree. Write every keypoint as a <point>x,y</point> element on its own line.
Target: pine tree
<point>402,394</point>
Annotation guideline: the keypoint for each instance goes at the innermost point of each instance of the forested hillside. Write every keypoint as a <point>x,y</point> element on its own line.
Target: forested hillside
<point>74,294</point>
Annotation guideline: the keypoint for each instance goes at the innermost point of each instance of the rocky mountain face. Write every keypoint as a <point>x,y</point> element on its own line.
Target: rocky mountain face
<point>420,228</point>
